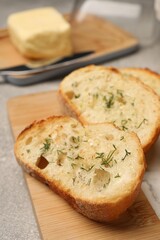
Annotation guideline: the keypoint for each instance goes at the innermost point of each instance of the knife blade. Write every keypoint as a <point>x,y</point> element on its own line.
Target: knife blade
<point>24,67</point>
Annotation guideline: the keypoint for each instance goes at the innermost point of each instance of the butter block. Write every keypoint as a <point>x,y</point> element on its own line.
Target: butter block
<point>40,33</point>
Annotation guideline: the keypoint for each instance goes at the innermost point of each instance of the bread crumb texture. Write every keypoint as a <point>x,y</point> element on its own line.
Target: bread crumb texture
<point>150,78</point>
<point>96,165</point>
<point>97,94</point>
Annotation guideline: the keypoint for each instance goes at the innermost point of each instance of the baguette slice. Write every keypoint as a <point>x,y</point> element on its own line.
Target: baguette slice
<point>96,94</point>
<point>147,76</point>
<point>96,168</point>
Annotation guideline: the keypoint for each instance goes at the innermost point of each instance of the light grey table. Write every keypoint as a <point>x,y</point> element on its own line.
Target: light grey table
<point>17,220</point>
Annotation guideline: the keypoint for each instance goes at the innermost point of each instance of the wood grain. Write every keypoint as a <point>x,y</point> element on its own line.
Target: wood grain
<point>91,33</point>
<point>56,219</point>
<point>95,33</point>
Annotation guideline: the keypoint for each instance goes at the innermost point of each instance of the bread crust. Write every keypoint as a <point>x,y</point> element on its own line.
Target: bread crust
<point>101,211</point>
<point>105,212</point>
<point>141,73</point>
<point>147,70</point>
<point>72,110</point>
<point>155,133</point>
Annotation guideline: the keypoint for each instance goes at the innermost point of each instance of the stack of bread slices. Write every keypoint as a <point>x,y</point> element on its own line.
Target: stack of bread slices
<point>94,157</point>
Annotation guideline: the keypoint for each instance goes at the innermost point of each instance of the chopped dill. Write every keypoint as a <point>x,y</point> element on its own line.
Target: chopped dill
<point>79,157</point>
<point>143,122</point>
<point>75,139</point>
<point>73,165</point>
<point>46,145</point>
<point>123,124</point>
<point>89,169</point>
<point>120,92</point>
<point>71,158</point>
<point>74,179</point>
<point>109,101</point>
<point>117,176</point>
<point>109,158</point>
<point>77,95</point>
<point>126,154</point>
<point>122,137</point>
<point>100,155</point>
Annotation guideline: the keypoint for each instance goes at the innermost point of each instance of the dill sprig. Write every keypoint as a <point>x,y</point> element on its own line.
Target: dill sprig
<point>109,158</point>
<point>126,154</point>
<point>79,157</point>
<point>123,124</point>
<point>120,97</point>
<point>75,139</point>
<point>77,95</point>
<point>120,92</point>
<point>142,122</point>
<point>117,176</point>
<point>122,137</point>
<point>46,145</point>
<point>109,101</point>
<point>73,165</point>
<point>87,169</point>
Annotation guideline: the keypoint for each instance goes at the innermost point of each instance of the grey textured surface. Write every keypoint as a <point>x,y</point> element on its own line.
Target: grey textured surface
<point>17,220</point>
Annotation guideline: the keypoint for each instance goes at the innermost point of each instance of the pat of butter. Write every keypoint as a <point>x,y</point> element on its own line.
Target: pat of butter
<point>40,33</point>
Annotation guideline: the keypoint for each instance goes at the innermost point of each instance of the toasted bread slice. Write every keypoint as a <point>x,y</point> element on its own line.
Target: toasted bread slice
<point>96,94</point>
<point>147,76</point>
<point>96,168</point>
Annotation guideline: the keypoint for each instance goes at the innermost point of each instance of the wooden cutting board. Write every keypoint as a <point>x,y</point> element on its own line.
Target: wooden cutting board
<point>56,219</point>
<point>91,33</point>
